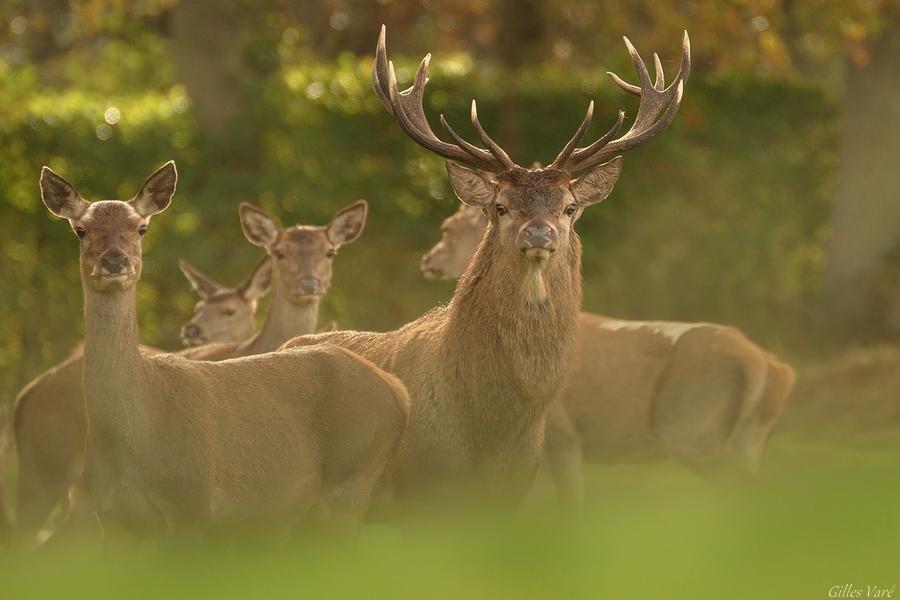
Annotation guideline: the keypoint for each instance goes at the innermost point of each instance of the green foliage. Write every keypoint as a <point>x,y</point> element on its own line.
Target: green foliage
<point>721,218</point>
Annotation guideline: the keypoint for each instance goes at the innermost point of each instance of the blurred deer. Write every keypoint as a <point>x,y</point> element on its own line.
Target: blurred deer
<point>179,445</point>
<point>50,420</point>
<point>700,393</point>
<point>484,370</point>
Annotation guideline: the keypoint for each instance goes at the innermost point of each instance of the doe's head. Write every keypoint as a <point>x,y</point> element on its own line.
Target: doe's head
<point>302,255</point>
<point>110,231</point>
<point>461,233</point>
<point>224,314</point>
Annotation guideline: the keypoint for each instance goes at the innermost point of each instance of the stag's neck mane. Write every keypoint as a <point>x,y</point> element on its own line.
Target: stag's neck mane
<point>510,346</point>
<point>284,321</point>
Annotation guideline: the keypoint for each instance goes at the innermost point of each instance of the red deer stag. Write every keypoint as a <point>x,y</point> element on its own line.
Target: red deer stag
<point>484,370</point>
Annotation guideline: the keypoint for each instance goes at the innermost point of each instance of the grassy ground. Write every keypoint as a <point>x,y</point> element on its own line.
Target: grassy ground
<point>825,514</point>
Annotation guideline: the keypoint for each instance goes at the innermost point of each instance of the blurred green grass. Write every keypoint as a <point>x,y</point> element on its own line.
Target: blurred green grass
<point>824,514</point>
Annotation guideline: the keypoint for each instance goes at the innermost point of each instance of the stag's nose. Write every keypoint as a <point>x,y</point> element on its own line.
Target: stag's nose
<point>539,235</point>
<point>308,285</point>
<point>190,331</point>
<point>114,262</point>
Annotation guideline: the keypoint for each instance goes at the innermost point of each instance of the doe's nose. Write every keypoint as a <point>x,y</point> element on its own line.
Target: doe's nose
<point>190,331</point>
<point>114,261</point>
<point>308,285</point>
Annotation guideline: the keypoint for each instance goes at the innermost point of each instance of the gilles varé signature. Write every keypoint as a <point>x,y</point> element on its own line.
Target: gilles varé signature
<point>848,590</point>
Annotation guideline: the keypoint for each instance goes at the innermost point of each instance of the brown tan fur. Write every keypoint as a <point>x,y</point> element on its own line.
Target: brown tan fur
<point>173,441</point>
<point>699,393</point>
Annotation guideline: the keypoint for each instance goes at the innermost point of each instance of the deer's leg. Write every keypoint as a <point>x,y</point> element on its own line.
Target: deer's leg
<point>36,497</point>
<point>752,435</point>
<point>704,396</point>
<point>5,522</point>
<point>562,449</point>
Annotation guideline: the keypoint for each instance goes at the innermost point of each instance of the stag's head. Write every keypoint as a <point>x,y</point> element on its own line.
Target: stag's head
<point>224,314</point>
<point>110,231</point>
<point>461,233</point>
<point>302,255</point>
<point>532,211</point>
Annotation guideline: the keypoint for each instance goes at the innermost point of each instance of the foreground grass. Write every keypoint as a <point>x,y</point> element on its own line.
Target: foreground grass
<point>824,515</point>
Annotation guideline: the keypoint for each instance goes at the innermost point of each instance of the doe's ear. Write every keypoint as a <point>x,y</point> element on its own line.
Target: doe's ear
<point>60,197</point>
<point>347,224</point>
<point>596,185</point>
<point>259,228</point>
<point>257,283</point>
<point>157,190</point>
<point>202,284</point>
<point>471,187</point>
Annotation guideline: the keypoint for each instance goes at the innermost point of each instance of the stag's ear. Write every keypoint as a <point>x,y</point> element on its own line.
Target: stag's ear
<point>157,190</point>
<point>595,186</point>
<point>471,187</point>
<point>60,197</point>
<point>257,283</point>
<point>258,226</point>
<point>347,224</point>
<point>202,284</point>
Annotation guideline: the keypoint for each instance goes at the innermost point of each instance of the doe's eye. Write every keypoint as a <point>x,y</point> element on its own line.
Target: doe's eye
<point>142,230</point>
<point>278,254</point>
<point>228,312</point>
<point>501,210</point>
<point>330,252</point>
<point>570,209</point>
<point>79,231</point>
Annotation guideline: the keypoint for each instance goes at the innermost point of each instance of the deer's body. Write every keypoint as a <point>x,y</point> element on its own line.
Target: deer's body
<point>699,393</point>
<point>262,439</point>
<point>50,412</point>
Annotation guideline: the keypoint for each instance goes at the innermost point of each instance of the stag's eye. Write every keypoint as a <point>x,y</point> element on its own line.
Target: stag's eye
<point>570,209</point>
<point>228,312</point>
<point>79,231</point>
<point>330,252</point>
<point>142,230</point>
<point>278,254</point>
<point>501,210</point>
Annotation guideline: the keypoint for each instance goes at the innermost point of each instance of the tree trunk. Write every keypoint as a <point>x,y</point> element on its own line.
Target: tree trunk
<point>865,219</point>
<point>208,56</point>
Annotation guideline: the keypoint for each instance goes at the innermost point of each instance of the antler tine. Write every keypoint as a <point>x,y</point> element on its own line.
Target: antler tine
<point>660,82</point>
<point>380,73</point>
<point>567,150</point>
<point>496,150</point>
<point>407,108</point>
<point>657,108</point>
<point>470,148</point>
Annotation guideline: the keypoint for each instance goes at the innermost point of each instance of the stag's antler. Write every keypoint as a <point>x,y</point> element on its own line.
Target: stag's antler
<point>657,108</point>
<point>406,106</point>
